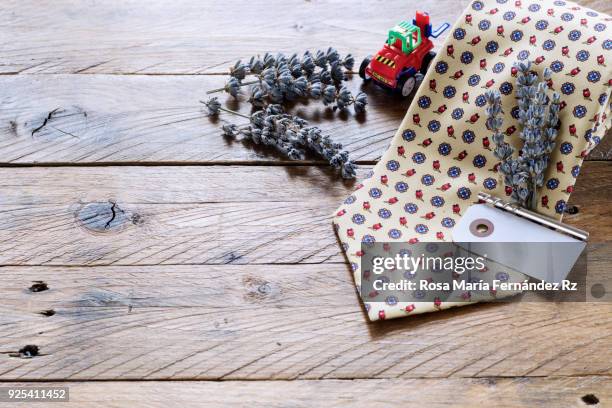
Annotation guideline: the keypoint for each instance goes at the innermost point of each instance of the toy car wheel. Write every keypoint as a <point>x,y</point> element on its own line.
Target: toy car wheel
<point>427,61</point>
<point>406,86</point>
<point>362,69</point>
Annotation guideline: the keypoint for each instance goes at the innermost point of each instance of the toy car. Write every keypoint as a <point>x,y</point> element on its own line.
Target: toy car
<point>406,52</point>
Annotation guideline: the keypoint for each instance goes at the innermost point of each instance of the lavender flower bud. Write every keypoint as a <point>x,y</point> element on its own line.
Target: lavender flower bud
<point>360,102</point>
<point>329,94</point>
<point>256,135</point>
<point>276,94</point>
<point>269,60</point>
<point>232,87</point>
<point>300,86</point>
<point>285,77</point>
<point>296,70</point>
<point>294,154</point>
<point>213,106</point>
<point>274,110</point>
<point>315,90</point>
<point>320,59</point>
<point>281,59</point>
<point>256,65</point>
<point>293,59</point>
<point>348,62</point>
<point>332,55</point>
<point>315,77</point>
<point>308,65</point>
<point>238,71</point>
<point>336,72</point>
<point>230,129</point>
<point>246,131</point>
<point>257,96</point>
<point>299,121</point>
<point>336,160</point>
<point>349,170</point>
<point>326,77</point>
<point>257,119</point>
<point>524,67</point>
<point>556,98</point>
<point>344,98</point>
<point>269,76</point>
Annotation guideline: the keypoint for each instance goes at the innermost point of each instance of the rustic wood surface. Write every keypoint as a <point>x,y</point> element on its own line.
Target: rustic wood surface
<point>119,118</point>
<point>520,392</point>
<point>157,118</point>
<point>193,215</point>
<point>149,258</point>
<point>277,322</point>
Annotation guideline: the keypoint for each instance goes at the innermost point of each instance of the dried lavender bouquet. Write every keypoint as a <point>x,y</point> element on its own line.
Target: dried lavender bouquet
<point>290,135</point>
<point>539,120</point>
<point>279,79</point>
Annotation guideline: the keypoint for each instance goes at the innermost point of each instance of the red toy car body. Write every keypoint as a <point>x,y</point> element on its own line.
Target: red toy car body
<point>406,52</point>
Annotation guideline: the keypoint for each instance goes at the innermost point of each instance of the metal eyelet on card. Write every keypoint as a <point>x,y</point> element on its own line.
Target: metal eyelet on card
<point>481,227</point>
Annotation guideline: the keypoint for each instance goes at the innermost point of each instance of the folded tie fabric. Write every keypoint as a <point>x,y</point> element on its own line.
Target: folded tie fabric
<point>441,155</point>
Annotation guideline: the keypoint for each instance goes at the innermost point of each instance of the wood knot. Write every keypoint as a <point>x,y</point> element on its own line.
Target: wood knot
<point>13,128</point>
<point>102,217</point>
<point>28,351</point>
<point>590,399</point>
<point>38,286</point>
<point>137,219</point>
<point>258,289</point>
<point>47,313</point>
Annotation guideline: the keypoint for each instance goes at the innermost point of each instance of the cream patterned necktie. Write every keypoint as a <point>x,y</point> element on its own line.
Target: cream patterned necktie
<point>441,154</point>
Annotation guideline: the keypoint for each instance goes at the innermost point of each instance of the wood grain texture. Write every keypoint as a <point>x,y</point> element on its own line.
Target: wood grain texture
<point>261,322</point>
<point>441,393</point>
<point>110,119</point>
<point>168,215</point>
<point>187,37</point>
<point>232,272</point>
<point>137,118</point>
<point>198,215</point>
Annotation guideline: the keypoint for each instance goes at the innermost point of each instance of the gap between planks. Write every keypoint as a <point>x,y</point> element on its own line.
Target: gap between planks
<point>279,163</point>
<point>489,378</point>
<point>271,163</point>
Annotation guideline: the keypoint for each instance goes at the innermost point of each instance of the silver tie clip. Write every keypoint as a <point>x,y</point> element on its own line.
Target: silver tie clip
<point>535,217</point>
<point>517,238</point>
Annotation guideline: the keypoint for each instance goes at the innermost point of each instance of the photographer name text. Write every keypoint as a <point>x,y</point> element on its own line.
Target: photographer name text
<point>426,285</point>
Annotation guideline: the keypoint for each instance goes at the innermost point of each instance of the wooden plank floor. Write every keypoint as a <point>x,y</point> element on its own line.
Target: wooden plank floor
<point>154,262</point>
